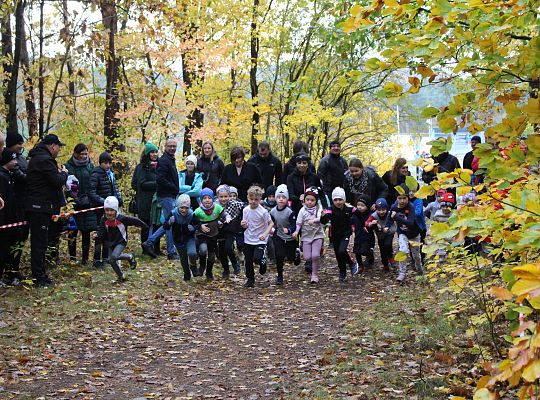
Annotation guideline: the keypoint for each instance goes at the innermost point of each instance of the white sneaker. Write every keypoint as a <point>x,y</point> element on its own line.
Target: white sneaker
<point>401,277</point>
<point>354,268</point>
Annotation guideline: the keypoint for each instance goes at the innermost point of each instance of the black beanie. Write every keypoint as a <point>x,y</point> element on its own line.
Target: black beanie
<point>105,157</point>
<point>364,198</point>
<point>14,139</point>
<point>7,156</point>
<point>270,191</point>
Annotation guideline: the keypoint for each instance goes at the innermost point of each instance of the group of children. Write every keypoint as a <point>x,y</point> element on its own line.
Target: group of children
<point>270,228</point>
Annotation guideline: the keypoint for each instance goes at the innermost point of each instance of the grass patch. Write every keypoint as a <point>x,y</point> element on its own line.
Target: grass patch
<point>400,346</point>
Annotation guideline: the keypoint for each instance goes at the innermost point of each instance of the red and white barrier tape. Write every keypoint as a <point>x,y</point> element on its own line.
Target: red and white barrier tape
<point>54,217</point>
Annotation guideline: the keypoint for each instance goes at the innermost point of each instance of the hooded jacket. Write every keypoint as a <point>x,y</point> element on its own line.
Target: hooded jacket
<point>331,171</point>
<point>43,181</point>
<point>101,187</point>
<point>212,170</point>
<point>270,168</point>
<point>115,232</point>
<point>8,214</point>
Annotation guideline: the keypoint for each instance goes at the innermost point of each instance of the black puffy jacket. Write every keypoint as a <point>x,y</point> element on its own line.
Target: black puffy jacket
<point>167,177</point>
<point>43,181</point>
<point>297,185</point>
<point>8,214</point>
<point>102,187</point>
<point>270,168</point>
<point>212,169</point>
<point>332,172</point>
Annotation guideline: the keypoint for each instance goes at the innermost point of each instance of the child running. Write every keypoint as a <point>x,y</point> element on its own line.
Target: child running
<point>228,231</point>
<point>284,224</point>
<point>408,231</point>
<point>308,225</point>
<point>384,228</point>
<point>184,224</point>
<point>210,216</point>
<point>340,218</point>
<point>364,239</point>
<point>257,224</point>
<point>112,232</point>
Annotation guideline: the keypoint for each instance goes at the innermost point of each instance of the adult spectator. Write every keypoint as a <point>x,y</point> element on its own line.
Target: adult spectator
<point>44,182</point>
<point>269,165</point>
<point>363,181</point>
<point>191,181</point>
<point>9,261</point>
<point>241,174</point>
<point>469,157</point>
<point>300,180</point>
<point>167,189</point>
<point>299,146</point>
<point>144,183</point>
<point>15,143</point>
<point>211,166</point>
<point>332,169</point>
<point>102,185</point>
<point>81,167</point>
<point>394,177</point>
<point>446,163</point>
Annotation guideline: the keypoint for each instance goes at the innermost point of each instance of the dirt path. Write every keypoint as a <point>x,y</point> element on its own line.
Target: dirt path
<point>218,340</point>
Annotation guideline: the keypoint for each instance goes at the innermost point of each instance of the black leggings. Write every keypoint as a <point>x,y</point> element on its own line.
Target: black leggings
<point>283,250</point>
<point>386,249</point>
<point>253,253</point>
<point>226,250</point>
<point>340,244</point>
<point>72,244</point>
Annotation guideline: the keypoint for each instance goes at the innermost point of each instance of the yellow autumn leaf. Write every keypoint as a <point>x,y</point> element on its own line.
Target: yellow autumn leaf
<point>463,190</point>
<point>532,371</point>
<point>500,293</point>
<point>532,109</point>
<point>447,124</point>
<point>424,192</point>
<point>355,10</point>
<point>400,256</point>
<point>391,3</point>
<point>527,271</point>
<point>393,89</point>
<point>524,286</point>
<point>483,394</point>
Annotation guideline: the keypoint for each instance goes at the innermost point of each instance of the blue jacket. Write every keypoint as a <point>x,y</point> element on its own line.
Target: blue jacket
<point>405,220</point>
<point>193,190</point>
<point>418,205</point>
<point>183,228</point>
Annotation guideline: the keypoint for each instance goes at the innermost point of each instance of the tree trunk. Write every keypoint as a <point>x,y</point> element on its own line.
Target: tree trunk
<point>254,47</point>
<point>41,78</point>
<point>69,39</point>
<point>29,98</point>
<point>109,17</point>
<point>11,70</point>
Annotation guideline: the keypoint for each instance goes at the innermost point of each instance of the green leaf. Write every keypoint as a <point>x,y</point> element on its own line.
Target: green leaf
<point>430,112</point>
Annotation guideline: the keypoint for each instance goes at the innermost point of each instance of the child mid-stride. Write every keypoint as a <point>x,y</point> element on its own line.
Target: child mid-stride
<point>112,232</point>
<point>257,224</point>
<point>408,231</point>
<point>308,225</point>
<point>384,228</point>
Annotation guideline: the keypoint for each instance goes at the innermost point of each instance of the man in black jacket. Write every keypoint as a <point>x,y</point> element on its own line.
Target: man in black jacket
<point>468,159</point>
<point>44,182</point>
<point>269,165</point>
<point>167,189</point>
<point>332,169</point>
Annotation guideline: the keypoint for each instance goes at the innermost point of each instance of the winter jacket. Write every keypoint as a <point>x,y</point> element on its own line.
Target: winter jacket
<point>382,222</point>
<point>270,168</point>
<point>376,188</point>
<point>234,211</point>
<point>249,176</point>
<point>191,185</point>
<point>183,227</point>
<point>101,186</point>
<point>85,221</point>
<point>113,233</point>
<point>340,220</point>
<point>290,167</point>
<point>212,170</point>
<point>332,172</point>
<point>167,177</point>
<point>405,220</point>
<point>432,208</point>
<point>44,182</point>
<point>284,218</point>
<point>467,160</point>
<point>308,232</point>
<point>364,239</point>
<point>447,163</point>
<point>392,194</point>
<point>297,185</point>
<point>144,182</point>
<point>212,218</point>
<point>419,213</point>
<point>8,214</point>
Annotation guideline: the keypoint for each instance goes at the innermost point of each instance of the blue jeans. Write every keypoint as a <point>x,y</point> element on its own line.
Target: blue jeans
<point>167,205</point>
<point>188,253</point>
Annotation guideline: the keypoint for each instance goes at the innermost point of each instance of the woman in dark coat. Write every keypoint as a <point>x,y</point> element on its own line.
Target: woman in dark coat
<point>80,165</point>
<point>211,166</point>
<point>241,174</point>
<point>300,179</point>
<point>144,183</point>
<point>360,180</point>
<point>394,178</point>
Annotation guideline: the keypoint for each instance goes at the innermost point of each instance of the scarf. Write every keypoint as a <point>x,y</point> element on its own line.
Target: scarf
<point>209,210</point>
<point>358,186</point>
<point>79,163</point>
<point>112,223</point>
<point>312,211</point>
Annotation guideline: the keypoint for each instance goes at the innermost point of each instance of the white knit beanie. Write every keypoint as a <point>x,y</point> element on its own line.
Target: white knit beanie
<point>183,201</point>
<point>338,193</point>
<point>282,191</point>
<point>191,158</point>
<point>111,202</point>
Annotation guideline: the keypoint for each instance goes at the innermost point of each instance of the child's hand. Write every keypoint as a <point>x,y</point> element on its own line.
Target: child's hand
<point>205,228</point>
<point>244,224</point>
<point>385,230</point>
<point>295,235</point>
<point>228,219</point>
<point>262,237</point>
<point>312,221</point>
<point>94,235</point>
<point>285,231</point>
<point>302,198</point>
<point>373,223</point>
<point>191,228</point>
<point>393,214</point>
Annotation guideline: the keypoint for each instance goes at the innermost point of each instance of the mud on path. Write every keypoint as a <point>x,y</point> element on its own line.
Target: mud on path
<point>214,340</point>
